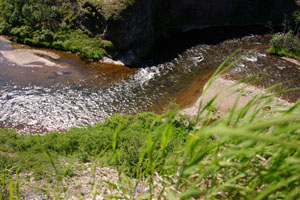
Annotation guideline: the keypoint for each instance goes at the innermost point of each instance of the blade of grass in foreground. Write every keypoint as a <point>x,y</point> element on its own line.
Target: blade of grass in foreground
<point>219,71</point>
<point>277,186</point>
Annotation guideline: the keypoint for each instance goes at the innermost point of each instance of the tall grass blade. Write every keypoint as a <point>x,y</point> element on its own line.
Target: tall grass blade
<point>47,155</point>
<point>283,183</point>
<point>11,191</point>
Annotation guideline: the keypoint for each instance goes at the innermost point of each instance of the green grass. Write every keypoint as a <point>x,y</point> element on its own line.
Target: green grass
<point>281,51</point>
<point>245,155</point>
<point>85,143</point>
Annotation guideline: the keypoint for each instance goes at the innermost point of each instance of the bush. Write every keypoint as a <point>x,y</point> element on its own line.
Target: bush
<point>287,41</point>
<point>43,35</point>
<point>4,28</point>
<point>285,45</point>
<point>21,33</point>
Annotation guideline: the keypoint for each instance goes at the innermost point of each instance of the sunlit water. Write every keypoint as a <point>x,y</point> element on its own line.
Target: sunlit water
<point>50,98</point>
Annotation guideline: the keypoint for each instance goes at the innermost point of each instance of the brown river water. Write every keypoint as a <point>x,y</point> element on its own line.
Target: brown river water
<point>77,92</point>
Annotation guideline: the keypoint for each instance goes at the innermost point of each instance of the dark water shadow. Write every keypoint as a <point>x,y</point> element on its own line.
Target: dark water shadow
<point>167,48</point>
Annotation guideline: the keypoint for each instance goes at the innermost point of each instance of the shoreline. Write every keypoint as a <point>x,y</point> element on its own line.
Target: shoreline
<point>28,57</point>
<point>241,93</point>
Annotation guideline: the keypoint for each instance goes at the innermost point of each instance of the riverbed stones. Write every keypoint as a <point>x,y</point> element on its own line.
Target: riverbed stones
<point>59,73</point>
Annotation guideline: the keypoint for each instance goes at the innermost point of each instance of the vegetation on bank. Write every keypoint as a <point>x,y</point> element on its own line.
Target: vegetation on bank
<point>253,153</point>
<point>111,8</point>
<point>52,24</point>
<point>86,143</point>
<point>287,44</point>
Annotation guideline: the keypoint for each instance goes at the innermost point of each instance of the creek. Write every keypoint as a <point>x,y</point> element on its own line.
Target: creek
<point>62,91</point>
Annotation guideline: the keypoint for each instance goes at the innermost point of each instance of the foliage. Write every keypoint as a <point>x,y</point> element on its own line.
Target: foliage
<point>296,16</point>
<point>288,41</point>
<point>287,44</point>
<point>52,24</point>
<point>113,8</point>
<point>85,143</point>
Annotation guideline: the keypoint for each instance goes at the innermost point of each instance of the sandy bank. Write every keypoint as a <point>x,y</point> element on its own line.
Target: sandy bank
<point>28,57</point>
<point>227,97</point>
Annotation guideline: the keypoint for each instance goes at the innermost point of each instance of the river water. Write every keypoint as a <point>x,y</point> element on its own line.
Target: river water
<point>74,92</point>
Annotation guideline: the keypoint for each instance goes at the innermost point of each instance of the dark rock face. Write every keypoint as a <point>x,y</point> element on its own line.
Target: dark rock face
<point>134,26</point>
<point>216,12</point>
<point>144,20</point>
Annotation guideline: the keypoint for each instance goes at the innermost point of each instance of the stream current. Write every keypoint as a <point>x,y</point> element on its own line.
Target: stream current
<point>36,97</point>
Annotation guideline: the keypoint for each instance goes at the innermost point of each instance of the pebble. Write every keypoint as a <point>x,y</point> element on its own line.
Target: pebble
<point>59,73</point>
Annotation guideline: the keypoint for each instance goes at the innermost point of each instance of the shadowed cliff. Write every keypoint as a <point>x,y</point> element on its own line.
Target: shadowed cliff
<point>141,22</point>
<point>127,29</point>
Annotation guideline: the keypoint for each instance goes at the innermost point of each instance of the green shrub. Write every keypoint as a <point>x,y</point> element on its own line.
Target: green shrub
<point>287,41</point>
<point>4,28</point>
<point>21,33</point>
<point>285,44</point>
<point>43,35</point>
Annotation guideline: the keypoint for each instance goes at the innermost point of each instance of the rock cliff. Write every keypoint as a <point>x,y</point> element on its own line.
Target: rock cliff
<point>138,22</point>
<point>97,28</point>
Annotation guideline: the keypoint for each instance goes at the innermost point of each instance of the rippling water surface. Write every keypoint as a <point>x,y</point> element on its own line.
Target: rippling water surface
<point>41,99</point>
